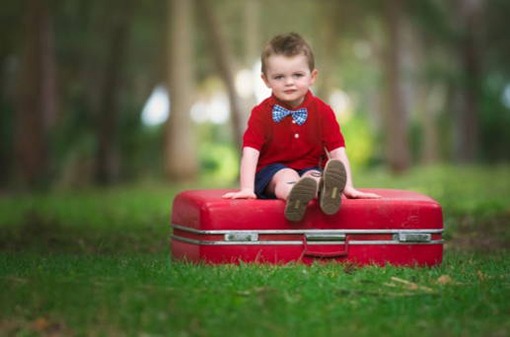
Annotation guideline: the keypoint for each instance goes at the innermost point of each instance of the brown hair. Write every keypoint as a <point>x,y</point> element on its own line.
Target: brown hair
<point>289,45</point>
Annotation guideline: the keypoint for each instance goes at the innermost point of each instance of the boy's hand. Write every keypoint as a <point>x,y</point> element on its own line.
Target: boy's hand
<point>352,193</point>
<point>242,194</point>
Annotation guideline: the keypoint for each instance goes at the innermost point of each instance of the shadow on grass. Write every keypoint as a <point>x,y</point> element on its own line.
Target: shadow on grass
<point>41,234</point>
<point>481,235</point>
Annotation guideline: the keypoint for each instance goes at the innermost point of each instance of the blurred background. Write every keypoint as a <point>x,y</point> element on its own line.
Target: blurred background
<point>109,92</point>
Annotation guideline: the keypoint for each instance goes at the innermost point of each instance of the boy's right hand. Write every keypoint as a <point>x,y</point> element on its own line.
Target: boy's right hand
<point>241,194</point>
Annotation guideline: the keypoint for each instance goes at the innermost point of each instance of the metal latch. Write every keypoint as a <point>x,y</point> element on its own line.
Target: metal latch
<point>325,237</point>
<point>413,237</point>
<point>242,236</point>
<point>325,245</point>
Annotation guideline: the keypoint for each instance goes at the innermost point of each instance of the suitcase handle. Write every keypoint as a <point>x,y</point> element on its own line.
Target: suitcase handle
<point>327,245</point>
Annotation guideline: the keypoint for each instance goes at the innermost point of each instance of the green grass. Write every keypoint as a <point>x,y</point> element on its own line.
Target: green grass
<point>151,296</point>
<point>95,263</point>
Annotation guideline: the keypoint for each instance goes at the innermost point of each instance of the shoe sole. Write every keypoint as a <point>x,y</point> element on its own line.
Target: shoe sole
<point>299,197</point>
<point>332,185</point>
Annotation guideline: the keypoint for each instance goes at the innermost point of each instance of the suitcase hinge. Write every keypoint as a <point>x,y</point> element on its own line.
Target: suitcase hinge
<point>242,236</point>
<point>413,237</point>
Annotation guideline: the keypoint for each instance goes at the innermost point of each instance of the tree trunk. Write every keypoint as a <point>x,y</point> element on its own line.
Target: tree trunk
<point>433,101</point>
<point>180,148</point>
<point>430,99</point>
<point>396,125</point>
<point>35,111</point>
<point>107,156</point>
<point>252,20</point>
<point>6,117</point>
<point>331,14</point>
<point>224,62</point>
<point>466,132</point>
<point>251,56</point>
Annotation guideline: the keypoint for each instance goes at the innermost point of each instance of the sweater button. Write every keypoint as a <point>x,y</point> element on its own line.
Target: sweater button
<point>296,135</point>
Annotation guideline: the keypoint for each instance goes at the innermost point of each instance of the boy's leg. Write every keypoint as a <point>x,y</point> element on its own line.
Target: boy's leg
<point>282,182</point>
<point>298,192</point>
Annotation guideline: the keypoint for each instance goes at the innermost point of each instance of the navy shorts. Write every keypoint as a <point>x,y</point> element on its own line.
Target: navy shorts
<point>264,176</point>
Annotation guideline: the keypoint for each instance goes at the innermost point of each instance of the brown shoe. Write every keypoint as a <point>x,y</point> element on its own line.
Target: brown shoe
<point>300,195</point>
<point>331,186</point>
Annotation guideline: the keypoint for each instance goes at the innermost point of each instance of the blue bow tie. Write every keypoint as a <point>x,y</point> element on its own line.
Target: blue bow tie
<point>299,115</point>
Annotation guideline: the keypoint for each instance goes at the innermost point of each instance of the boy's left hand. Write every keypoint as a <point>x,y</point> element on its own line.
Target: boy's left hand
<point>352,193</point>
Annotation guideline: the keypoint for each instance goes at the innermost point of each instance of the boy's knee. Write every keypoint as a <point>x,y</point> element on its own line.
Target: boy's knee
<point>286,175</point>
<point>282,180</point>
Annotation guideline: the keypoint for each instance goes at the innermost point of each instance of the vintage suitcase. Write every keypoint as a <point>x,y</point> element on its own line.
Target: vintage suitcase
<point>401,228</point>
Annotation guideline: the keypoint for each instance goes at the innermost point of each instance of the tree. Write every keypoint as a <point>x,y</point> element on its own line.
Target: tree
<point>396,124</point>
<point>107,156</point>
<point>9,22</point>
<point>180,144</point>
<point>432,34</point>
<point>251,34</point>
<point>328,32</point>
<point>225,64</point>
<point>36,106</point>
<point>466,133</point>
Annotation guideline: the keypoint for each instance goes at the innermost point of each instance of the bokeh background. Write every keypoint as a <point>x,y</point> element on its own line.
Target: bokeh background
<point>109,92</point>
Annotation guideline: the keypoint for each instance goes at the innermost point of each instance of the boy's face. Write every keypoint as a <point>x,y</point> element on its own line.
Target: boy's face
<point>289,78</point>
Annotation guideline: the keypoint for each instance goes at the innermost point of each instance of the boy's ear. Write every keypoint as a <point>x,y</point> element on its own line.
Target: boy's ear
<point>264,78</point>
<point>313,75</point>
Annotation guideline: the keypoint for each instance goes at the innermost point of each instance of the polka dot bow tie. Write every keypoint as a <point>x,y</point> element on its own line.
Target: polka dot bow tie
<point>299,115</point>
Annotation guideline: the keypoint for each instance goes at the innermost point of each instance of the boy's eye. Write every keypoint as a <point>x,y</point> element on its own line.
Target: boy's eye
<point>278,77</point>
<point>298,75</point>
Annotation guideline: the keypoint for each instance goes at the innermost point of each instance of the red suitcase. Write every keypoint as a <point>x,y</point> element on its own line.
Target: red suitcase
<point>401,228</point>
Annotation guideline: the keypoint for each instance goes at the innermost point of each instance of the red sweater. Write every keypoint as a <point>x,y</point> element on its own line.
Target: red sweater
<point>297,146</point>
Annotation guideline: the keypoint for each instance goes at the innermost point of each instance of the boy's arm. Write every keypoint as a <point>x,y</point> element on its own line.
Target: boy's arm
<point>350,191</point>
<point>249,161</point>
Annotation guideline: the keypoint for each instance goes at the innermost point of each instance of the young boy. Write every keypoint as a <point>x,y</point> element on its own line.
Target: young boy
<point>289,135</point>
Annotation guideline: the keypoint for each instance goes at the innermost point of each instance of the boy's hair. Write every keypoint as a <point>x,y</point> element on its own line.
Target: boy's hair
<point>289,45</point>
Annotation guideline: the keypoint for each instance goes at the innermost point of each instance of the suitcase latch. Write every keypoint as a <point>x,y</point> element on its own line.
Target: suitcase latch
<point>413,237</point>
<point>242,236</point>
<point>325,245</point>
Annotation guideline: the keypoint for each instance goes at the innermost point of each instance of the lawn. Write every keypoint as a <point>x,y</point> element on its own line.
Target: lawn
<point>95,263</point>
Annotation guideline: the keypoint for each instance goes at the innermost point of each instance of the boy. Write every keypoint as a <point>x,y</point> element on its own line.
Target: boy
<point>290,133</point>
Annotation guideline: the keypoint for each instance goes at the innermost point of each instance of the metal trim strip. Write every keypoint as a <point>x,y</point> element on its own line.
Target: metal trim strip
<point>306,231</point>
<point>297,242</point>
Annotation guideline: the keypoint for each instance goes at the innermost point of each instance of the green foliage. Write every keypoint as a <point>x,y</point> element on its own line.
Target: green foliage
<point>495,121</point>
<point>83,31</point>
<point>219,162</point>
<point>480,190</point>
<point>360,142</point>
